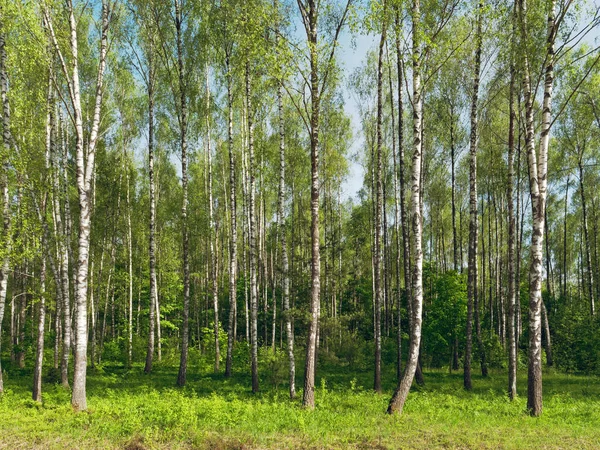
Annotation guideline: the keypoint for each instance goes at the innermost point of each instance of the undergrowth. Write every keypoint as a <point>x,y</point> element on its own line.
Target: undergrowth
<point>128,409</point>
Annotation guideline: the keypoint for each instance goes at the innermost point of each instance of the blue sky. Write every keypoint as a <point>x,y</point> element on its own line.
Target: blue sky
<point>352,53</point>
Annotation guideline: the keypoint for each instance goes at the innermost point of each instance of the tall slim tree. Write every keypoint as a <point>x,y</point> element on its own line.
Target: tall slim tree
<point>285,267</point>
<point>152,219</point>
<point>85,167</point>
<point>538,182</point>
<point>472,301</point>
<point>212,226</point>
<point>6,151</point>
<point>50,128</point>
<point>397,401</point>
<point>183,124</point>
<point>512,343</point>
<point>379,242</point>
<point>317,81</point>
<point>252,234</point>
<point>401,179</point>
<point>233,218</point>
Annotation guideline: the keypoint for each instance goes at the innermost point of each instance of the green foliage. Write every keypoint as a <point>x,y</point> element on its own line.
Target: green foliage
<point>273,366</point>
<point>207,341</point>
<point>350,348</point>
<point>495,354</point>
<point>576,340</point>
<point>445,316</point>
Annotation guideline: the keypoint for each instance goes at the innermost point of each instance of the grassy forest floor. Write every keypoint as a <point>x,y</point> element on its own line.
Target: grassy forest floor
<point>128,409</point>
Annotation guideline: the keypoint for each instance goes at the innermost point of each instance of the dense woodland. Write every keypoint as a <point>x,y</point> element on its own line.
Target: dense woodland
<point>173,179</point>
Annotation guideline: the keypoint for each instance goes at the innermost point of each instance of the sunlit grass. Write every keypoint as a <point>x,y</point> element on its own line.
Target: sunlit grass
<point>133,410</point>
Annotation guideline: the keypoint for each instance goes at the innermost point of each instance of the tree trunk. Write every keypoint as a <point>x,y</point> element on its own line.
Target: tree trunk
<point>396,206</point>
<point>181,376</point>
<point>404,219</point>
<point>213,236</point>
<point>233,243</point>
<point>519,218</point>
<point>453,179</point>
<point>565,271</point>
<point>130,277</point>
<point>588,253</point>
<point>308,399</point>
<point>548,338</point>
<point>85,174</point>
<point>58,251</point>
<point>512,342</point>
<point>252,238</point>
<point>472,300</point>
<point>379,242</point>
<point>39,356</point>
<point>285,276</point>
<point>63,239</point>
<point>538,173</point>
<point>152,223</point>
<point>397,401</point>
<point>7,142</point>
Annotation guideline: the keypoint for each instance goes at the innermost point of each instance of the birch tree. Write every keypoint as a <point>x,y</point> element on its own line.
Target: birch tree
<point>85,166</point>
<point>317,83</point>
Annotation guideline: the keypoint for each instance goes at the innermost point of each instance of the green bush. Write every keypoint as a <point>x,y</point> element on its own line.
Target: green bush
<point>351,348</point>
<point>273,365</point>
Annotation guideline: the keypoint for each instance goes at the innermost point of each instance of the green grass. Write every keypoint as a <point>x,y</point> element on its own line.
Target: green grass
<point>128,409</point>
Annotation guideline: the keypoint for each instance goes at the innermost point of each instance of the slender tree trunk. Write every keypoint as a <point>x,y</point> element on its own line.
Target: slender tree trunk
<point>588,253</point>
<point>274,297</point>
<point>520,210</point>
<point>453,176</point>
<point>379,241</point>
<point>308,399</point>
<point>397,401</point>
<point>158,327</point>
<point>130,277</point>
<point>565,271</point>
<point>252,238</point>
<point>233,243</point>
<point>63,237</point>
<point>538,173</point>
<point>152,222</point>
<point>245,225</point>
<point>512,342</point>
<point>7,144</point>
<point>548,338</point>
<point>181,377</point>
<point>109,287</point>
<point>548,341</point>
<point>396,218</point>
<point>39,356</point>
<point>285,276</point>
<point>85,174</point>
<point>472,300</point>
<point>213,234</point>
<point>58,236</point>
<point>404,219</point>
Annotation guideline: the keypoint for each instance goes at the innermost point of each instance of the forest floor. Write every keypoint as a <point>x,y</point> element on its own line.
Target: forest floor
<point>130,410</point>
